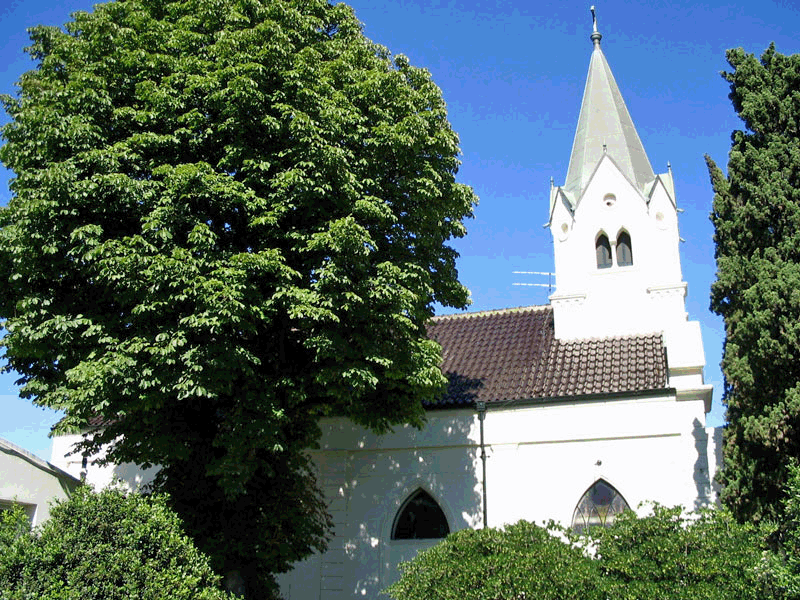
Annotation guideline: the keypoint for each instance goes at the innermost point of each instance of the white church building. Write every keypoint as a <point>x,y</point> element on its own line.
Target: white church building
<point>571,411</point>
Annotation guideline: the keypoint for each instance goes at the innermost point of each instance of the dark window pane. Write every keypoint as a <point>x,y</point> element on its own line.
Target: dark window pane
<point>420,518</point>
<point>624,250</point>
<point>603,248</point>
<point>598,507</point>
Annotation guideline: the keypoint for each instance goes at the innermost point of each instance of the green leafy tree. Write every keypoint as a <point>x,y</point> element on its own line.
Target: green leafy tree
<point>229,219</point>
<point>671,555</point>
<point>756,217</point>
<point>103,546</point>
<point>520,561</point>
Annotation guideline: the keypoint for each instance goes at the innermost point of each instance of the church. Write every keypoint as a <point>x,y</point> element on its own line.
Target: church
<point>571,411</point>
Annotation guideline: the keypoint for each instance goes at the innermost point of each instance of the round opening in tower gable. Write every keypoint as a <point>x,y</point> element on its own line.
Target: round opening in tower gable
<point>609,200</point>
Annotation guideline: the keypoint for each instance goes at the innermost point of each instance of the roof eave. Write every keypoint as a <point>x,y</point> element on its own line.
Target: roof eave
<point>576,398</point>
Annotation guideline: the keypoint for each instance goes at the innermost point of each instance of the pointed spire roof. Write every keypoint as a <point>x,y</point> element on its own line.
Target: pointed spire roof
<point>605,127</point>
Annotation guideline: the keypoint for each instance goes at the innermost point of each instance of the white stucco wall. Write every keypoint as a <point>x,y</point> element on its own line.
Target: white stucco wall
<point>540,461</point>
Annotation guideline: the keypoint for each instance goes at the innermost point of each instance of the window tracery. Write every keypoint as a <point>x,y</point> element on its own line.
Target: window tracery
<point>598,507</point>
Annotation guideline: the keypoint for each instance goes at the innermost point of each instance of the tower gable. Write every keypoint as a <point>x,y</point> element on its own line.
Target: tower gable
<point>610,205</point>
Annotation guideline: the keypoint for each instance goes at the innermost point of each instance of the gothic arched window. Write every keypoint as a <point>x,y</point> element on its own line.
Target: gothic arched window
<point>624,249</point>
<point>598,507</point>
<point>420,518</point>
<point>603,249</point>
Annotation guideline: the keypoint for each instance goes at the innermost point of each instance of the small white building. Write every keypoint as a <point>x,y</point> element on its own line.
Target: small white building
<point>571,411</point>
<point>31,482</point>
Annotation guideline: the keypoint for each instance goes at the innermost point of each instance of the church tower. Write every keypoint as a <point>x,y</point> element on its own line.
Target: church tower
<point>615,235</point>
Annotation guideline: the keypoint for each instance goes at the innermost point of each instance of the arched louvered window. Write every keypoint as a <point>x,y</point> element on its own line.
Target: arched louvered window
<point>603,249</point>
<point>420,518</point>
<point>624,249</point>
<point>598,507</point>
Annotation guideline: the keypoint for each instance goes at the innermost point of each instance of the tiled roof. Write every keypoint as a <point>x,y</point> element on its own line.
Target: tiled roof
<point>512,354</point>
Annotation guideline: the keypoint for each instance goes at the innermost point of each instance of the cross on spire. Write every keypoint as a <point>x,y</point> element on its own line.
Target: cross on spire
<point>596,35</point>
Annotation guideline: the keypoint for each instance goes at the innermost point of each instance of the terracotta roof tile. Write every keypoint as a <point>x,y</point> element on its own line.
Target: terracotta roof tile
<point>512,354</point>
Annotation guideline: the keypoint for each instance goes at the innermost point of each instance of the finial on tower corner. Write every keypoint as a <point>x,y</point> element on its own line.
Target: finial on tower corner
<point>596,35</point>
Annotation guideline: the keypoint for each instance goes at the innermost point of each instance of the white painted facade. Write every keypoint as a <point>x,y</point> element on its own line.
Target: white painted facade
<point>540,461</point>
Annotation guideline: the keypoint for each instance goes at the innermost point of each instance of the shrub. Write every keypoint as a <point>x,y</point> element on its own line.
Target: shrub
<point>521,561</point>
<point>103,546</point>
<point>670,554</point>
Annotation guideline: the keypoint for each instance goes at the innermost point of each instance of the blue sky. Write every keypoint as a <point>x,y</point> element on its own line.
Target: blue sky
<point>512,74</point>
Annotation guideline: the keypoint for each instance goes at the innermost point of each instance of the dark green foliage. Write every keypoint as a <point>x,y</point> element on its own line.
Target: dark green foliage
<point>665,556</point>
<point>228,219</point>
<point>756,217</point>
<point>13,524</point>
<point>105,546</point>
<point>787,539</point>
<point>521,561</point>
<point>671,555</point>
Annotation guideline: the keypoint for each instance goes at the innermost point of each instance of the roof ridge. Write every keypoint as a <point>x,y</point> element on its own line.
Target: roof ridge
<point>629,336</point>
<point>492,311</point>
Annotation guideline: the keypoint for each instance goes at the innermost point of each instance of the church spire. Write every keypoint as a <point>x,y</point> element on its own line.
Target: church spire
<point>604,126</point>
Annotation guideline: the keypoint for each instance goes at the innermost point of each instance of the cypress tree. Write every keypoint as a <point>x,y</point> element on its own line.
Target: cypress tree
<point>756,216</point>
